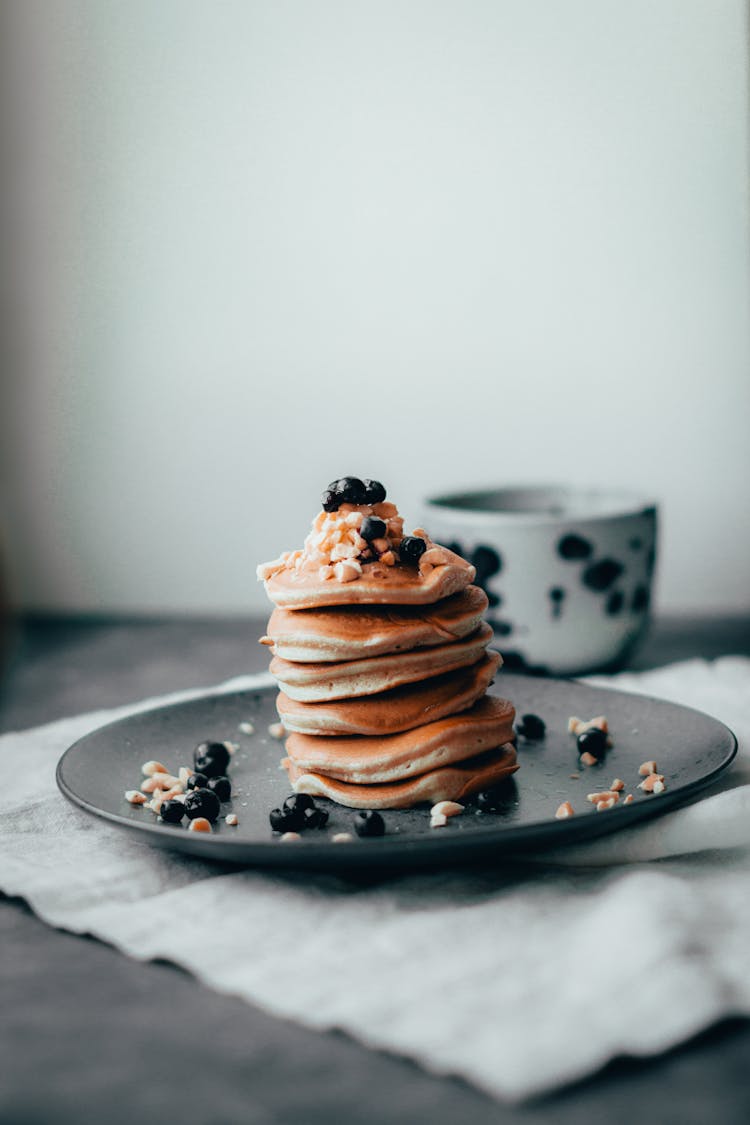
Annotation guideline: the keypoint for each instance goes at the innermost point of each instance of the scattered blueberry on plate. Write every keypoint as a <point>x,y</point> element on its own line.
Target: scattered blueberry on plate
<point>211,758</point>
<point>172,812</point>
<point>532,727</point>
<point>592,741</point>
<point>202,802</point>
<point>369,823</point>
<point>221,786</point>
<point>197,781</point>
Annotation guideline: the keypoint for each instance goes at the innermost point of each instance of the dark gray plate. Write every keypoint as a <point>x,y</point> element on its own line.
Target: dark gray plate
<point>690,749</point>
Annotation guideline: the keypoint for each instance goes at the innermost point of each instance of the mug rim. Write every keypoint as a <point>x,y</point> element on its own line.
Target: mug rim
<point>555,503</point>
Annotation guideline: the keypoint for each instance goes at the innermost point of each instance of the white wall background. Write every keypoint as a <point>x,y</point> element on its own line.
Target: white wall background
<point>257,245</point>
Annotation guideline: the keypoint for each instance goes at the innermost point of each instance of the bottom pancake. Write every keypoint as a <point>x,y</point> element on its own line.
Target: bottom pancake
<point>448,783</point>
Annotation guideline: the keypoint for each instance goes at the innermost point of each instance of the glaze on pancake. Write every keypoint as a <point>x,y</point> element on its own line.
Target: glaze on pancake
<point>378,585</point>
<point>392,711</point>
<point>449,783</point>
<point>312,683</point>
<point>351,632</point>
<point>396,757</point>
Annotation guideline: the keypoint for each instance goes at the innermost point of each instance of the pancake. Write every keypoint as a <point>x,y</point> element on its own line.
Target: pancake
<point>377,585</point>
<point>312,683</point>
<point>392,711</point>
<point>448,783</point>
<point>396,757</point>
<point>351,632</point>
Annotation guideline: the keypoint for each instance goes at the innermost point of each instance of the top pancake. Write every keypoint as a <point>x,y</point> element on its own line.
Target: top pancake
<point>378,585</point>
<point>344,632</point>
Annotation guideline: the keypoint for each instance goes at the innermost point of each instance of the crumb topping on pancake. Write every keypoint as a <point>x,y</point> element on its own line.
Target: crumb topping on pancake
<point>343,541</point>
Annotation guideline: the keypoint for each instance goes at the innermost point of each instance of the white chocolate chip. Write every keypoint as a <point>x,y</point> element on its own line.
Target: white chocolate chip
<point>438,820</point>
<point>246,728</point>
<point>231,820</point>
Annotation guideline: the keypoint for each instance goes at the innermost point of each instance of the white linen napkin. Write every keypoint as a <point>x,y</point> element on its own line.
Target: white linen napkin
<point>519,979</point>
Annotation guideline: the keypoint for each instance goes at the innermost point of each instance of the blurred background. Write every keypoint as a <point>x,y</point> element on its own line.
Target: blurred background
<point>249,247</point>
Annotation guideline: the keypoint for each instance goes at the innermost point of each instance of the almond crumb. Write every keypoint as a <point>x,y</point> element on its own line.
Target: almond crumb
<point>646,768</point>
<point>342,837</point>
<point>564,811</point>
<point>288,837</point>
<point>276,730</point>
<point>148,769</point>
<point>438,820</point>
<point>446,808</point>
<point>578,726</point>
<point>604,795</point>
<point>602,805</point>
<point>574,776</point>
<point>246,728</point>
<point>649,784</point>
<point>628,800</point>
<point>231,819</point>
<point>134,797</point>
<point>588,759</point>
<point>617,785</point>
<point>200,824</point>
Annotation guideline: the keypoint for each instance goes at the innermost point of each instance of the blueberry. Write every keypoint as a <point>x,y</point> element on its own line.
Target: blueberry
<point>348,490</point>
<point>531,727</point>
<point>221,786</point>
<point>298,802</point>
<point>372,528</point>
<point>281,821</point>
<point>330,501</point>
<point>369,824</point>
<point>211,758</point>
<point>411,549</point>
<point>374,491</point>
<point>197,781</point>
<point>172,811</point>
<point>593,741</point>
<point>314,818</point>
<point>491,800</point>
<point>294,808</point>
<point>202,802</point>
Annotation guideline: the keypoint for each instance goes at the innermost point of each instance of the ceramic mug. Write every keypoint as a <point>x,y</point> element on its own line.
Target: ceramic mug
<point>568,571</point>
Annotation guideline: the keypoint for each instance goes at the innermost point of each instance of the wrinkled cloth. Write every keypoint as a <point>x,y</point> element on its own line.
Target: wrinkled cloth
<point>519,979</point>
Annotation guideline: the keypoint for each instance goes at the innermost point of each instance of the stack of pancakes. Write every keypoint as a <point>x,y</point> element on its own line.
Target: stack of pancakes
<point>383,684</point>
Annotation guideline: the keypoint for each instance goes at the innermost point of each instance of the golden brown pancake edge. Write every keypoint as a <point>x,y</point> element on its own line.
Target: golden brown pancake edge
<point>392,711</point>
<point>448,783</point>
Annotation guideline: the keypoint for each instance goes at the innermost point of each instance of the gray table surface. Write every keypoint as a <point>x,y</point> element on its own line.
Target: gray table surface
<point>88,1035</point>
